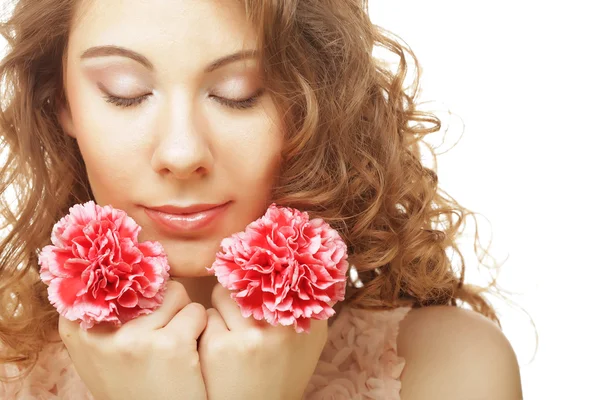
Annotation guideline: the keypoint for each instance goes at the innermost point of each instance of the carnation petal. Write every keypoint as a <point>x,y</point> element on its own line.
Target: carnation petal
<point>285,318</point>
<point>128,228</point>
<point>63,293</point>
<point>315,245</point>
<point>151,249</point>
<point>285,304</point>
<point>82,214</point>
<point>130,253</point>
<point>251,304</point>
<point>94,307</point>
<point>303,325</point>
<point>53,260</point>
<point>128,299</point>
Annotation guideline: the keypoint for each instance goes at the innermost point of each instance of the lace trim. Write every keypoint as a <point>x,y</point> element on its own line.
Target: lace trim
<point>359,361</point>
<point>53,378</point>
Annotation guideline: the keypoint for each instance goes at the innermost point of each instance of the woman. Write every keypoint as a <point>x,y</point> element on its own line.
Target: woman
<point>222,107</point>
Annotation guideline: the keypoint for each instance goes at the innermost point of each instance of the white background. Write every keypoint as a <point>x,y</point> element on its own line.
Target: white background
<point>522,77</point>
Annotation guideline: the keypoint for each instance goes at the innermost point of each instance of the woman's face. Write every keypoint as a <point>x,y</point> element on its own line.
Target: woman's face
<point>160,122</point>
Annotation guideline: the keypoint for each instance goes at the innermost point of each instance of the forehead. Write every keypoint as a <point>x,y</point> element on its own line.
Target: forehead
<point>171,30</point>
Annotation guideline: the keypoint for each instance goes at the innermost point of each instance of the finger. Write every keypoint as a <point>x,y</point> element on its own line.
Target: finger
<point>72,333</point>
<point>189,322</point>
<point>215,321</point>
<point>68,330</point>
<point>230,311</point>
<point>215,327</point>
<point>319,330</point>
<point>175,299</point>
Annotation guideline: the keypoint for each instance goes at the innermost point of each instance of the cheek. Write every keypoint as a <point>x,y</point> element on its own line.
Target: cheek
<point>110,173</point>
<point>254,153</point>
<point>110,149</point>
<point>254,159</point>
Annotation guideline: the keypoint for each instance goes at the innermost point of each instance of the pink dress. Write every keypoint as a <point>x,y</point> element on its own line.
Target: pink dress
<point>359,361</point>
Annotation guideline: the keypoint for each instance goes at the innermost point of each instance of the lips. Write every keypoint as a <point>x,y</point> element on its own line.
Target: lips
<point>185,210</point>
<point>188,219</point>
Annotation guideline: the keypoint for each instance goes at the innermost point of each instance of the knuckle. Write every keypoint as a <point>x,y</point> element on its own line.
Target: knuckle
<point>219,292</point>
<point>214,350</point>
<point>214,295</point>
<point>175,287</point>
<point>126,343</point>
<point>177,290</point>
<point>192,313</point>
<point>165,345</point>
<point>252,343</point>
<point>212,312</point>
<point>200,312</point>
<point>198,308</point>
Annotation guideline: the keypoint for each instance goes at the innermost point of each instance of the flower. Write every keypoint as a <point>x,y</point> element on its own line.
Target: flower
<point>284,268</point>
<point>97,271</point>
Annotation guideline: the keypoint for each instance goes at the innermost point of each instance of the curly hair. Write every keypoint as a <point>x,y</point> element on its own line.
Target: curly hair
<point>352,156</point>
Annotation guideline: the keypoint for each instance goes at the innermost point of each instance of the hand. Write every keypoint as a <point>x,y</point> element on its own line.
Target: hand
<point>154,356</point>
<point>243,358</point>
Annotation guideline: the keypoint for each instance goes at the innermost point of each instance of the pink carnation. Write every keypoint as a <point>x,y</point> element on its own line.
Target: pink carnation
<point>97,271</point>
<point>284,268</point>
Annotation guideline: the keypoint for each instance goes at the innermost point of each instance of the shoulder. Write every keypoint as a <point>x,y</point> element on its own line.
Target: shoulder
<point>454,353</point>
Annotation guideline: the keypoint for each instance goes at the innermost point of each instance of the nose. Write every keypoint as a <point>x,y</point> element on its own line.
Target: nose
<point>182,150</point>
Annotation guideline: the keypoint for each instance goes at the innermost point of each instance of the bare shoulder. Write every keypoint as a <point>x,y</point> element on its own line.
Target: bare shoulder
<point>453,353</point>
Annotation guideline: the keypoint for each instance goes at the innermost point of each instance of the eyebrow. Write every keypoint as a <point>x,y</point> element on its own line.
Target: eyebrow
<point>105,51</point>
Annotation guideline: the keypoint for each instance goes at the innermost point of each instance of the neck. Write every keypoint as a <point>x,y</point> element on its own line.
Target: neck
<point>199,289</point>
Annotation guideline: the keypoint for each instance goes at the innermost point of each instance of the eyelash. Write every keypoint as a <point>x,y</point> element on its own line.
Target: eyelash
<point>125,102</point>
<point>235,104</point>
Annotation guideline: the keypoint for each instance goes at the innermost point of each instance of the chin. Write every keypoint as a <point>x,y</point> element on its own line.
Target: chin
<point>189,258</point>
<point>189,264</point>
<point>189,269</point>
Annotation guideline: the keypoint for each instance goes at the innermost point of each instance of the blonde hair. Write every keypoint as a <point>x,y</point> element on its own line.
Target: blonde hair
<point>351,156</point>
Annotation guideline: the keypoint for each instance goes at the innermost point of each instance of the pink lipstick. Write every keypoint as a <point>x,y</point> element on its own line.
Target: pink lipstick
<point>186,219</point>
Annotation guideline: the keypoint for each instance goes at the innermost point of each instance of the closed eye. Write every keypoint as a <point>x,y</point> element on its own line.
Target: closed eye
<point>125,102</point>
<point>244,104</point>
<point>240,104</point>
